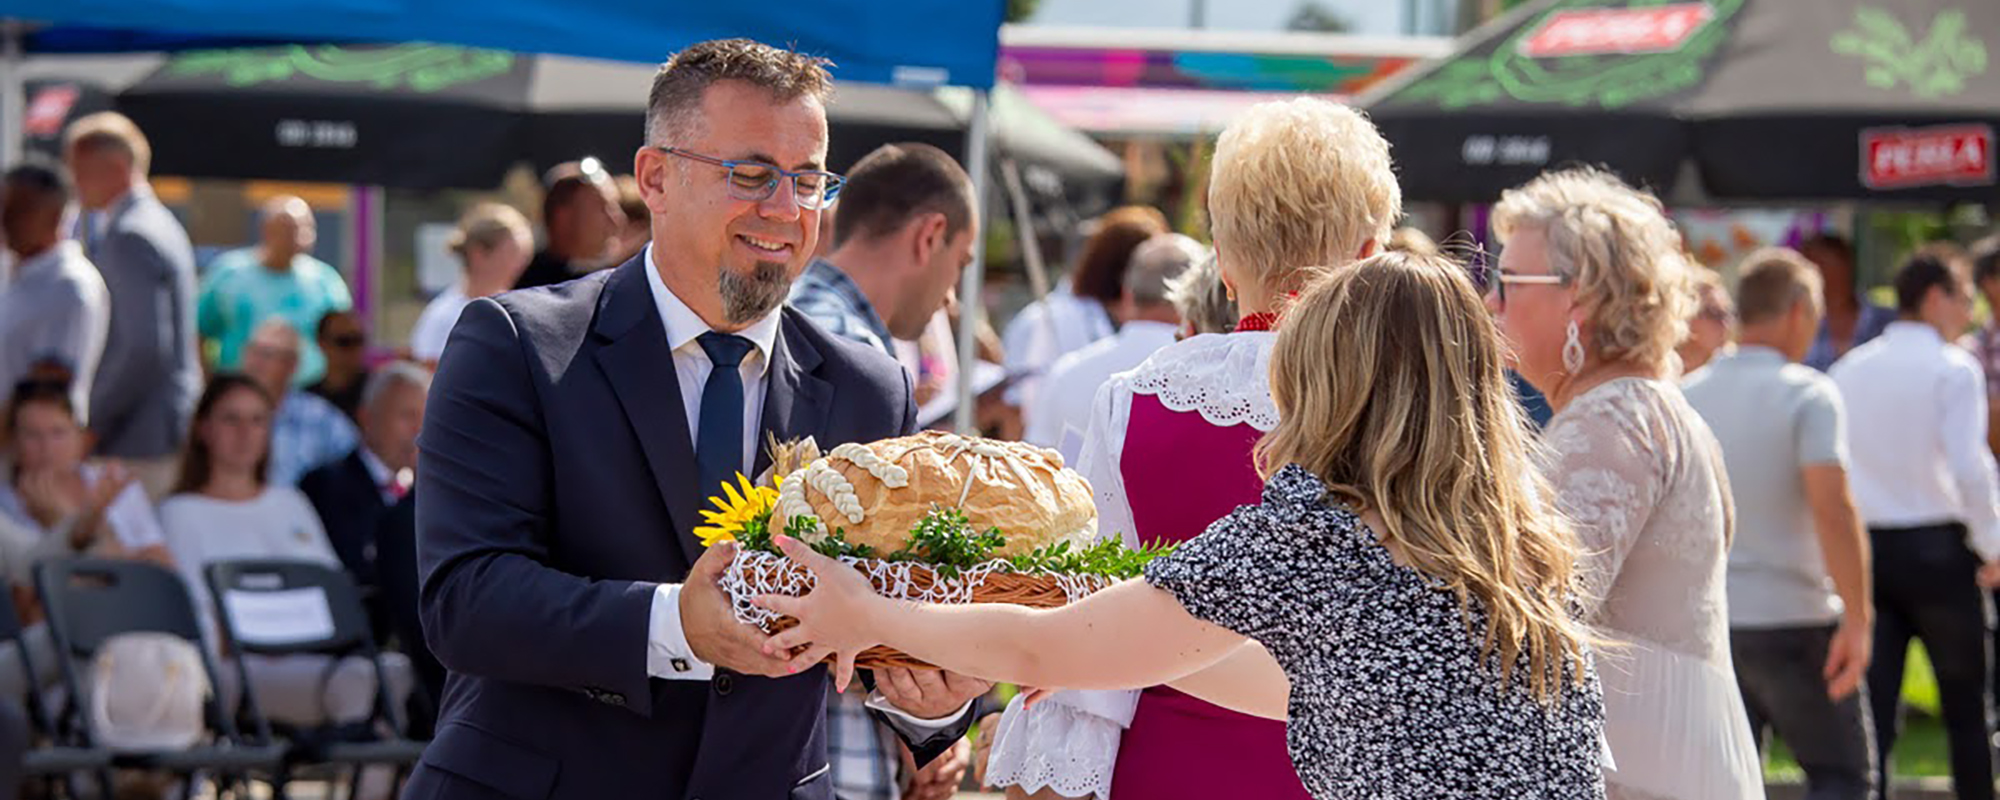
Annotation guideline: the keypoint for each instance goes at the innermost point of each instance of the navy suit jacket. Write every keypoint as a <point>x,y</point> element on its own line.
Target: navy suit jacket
<point>556,488</point>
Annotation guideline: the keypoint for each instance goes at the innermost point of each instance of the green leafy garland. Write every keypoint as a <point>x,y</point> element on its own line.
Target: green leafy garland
<point>945,541</point>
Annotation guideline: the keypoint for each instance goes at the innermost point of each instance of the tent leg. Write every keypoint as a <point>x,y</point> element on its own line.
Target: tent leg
<point>972,307</point>
<point>12,89</point>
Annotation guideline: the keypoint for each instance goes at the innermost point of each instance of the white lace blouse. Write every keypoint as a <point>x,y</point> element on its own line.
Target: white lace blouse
<point>1069,743</point>
<point>1643,481</point>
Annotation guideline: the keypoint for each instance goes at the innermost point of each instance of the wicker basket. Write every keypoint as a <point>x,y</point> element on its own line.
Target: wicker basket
<point>755,573</point>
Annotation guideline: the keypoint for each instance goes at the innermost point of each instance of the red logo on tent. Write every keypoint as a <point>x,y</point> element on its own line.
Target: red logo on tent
<point>1599,31</point>
<point>1898,158</point>
<point>49,110</point>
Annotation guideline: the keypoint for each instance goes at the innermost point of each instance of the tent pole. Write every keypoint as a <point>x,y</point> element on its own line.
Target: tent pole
<point>12,89</point>
<point>971,306</point>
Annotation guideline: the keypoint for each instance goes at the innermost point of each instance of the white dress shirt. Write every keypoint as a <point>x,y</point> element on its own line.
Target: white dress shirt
<point>55,306</point>
<point>1065,399</point>
<point>669,655</point>
<point>1916,410</point>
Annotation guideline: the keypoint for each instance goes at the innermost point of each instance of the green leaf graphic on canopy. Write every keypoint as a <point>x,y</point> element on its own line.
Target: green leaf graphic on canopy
<point>417,67</point>
<point>1936,66</point>
<point>1606,81</point>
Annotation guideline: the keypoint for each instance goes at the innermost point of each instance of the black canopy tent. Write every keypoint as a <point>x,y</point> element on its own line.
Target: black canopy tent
<point>1729,100</point>
<point>433,116</point>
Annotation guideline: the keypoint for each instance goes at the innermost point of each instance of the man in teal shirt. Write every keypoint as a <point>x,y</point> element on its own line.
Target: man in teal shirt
<point>279,277</point>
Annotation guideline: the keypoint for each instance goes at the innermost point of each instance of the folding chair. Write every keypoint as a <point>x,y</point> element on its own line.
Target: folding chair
<point>338,632</point>
<point>88,601</point>
<point>58,762</point>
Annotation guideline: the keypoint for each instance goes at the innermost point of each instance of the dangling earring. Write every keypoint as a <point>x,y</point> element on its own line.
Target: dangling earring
<point>1573,349</point>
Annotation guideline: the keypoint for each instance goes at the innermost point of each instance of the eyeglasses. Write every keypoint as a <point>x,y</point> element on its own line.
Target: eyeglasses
<point>1487,275</point>
<point>347,341</point>
<point>756,181</point>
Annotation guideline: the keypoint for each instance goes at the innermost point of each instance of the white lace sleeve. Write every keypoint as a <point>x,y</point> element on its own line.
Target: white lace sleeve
<point>1069,743</point>
<point>1607,478</point>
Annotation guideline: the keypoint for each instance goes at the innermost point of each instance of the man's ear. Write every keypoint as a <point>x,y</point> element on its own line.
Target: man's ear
<point>928,236</point>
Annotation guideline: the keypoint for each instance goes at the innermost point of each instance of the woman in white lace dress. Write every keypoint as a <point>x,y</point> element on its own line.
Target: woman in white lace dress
<point>1296,185</point>
<point>1593,294</point>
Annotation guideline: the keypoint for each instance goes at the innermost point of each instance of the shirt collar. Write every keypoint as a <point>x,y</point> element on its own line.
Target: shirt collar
<point>1913,331</point>
<point>1756,354</point>
<point>1147,328</point>
<point>838,278</point>
<point>377,470</point>
<point>684,326</point>
<point>64,250</point>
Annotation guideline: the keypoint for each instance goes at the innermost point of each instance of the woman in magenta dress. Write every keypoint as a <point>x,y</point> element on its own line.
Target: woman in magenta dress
<point>1296,186</point>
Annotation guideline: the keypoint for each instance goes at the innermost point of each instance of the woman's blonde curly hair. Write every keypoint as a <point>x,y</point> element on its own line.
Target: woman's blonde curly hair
<point>1619,252</point>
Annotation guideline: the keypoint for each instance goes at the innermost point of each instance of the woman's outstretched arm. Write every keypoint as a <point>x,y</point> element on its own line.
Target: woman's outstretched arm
<point>1247,681</point>
<point>1128,636</point>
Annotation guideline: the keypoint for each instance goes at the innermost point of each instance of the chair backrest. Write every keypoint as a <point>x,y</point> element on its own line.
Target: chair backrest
<point>90,600</point>
<point>281,606</point>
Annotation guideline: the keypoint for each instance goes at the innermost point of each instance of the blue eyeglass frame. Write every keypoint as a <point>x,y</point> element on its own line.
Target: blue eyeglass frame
<point>825,198</point>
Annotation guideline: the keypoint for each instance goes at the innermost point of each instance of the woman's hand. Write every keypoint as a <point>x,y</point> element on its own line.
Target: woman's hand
<point>836,618</point>
<point>49,498</point>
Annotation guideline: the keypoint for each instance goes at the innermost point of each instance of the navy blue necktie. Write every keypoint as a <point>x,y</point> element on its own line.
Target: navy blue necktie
<point>718,443</point>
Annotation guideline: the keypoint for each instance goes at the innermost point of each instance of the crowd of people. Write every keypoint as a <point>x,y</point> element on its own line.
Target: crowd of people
<point>1760,496</point>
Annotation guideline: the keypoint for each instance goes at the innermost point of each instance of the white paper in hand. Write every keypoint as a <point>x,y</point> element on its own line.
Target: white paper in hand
<point>288,616</point>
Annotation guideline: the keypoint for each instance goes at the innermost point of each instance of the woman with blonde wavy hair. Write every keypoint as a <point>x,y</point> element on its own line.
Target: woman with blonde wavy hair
<point>1593,293</point>
<point>1400,597</point>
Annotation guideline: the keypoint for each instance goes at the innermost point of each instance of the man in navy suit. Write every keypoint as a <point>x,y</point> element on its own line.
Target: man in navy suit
<point>574,431</point>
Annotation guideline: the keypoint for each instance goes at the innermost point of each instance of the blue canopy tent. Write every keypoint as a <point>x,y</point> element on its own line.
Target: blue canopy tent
<point>900,42</point>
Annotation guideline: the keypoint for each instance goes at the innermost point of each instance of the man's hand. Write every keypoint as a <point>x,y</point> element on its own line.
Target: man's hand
<point>927,693</point>
<point>939,779</point>
<point>712,630</point>
<point>982,747</point>
<point>1847,657</point>
<point>1989,575</point>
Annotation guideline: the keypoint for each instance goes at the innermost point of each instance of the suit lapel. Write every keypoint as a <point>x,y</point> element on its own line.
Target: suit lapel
<point>797,401</point>
<point>636,361</point>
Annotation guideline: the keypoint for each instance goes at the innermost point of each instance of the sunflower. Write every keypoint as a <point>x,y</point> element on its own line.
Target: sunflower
<point>736,511</point>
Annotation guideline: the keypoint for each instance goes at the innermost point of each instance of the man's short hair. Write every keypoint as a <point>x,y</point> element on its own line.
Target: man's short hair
<point>897,182</point>
<point>679,85</point>
<point>390,376</point>
<point>110,131</point>
<point>47,184</point>
<point>566,180</point>
<point>1985,259</point>
<point>1830,241</point>
<point>1157,263</point>
<point>1774,280</point>
<point>1930,267</point>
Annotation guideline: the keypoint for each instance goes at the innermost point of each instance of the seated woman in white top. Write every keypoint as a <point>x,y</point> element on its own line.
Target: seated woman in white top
<point>494,242</point>
<point>223,510</point>
<point>47,445</point>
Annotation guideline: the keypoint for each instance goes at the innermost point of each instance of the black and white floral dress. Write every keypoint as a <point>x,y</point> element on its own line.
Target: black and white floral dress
<point>1390,698</point>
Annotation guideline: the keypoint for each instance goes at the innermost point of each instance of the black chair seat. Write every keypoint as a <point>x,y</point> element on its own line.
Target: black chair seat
<point>394,751</point>
<point>233,758</point>
<point>60,760</point>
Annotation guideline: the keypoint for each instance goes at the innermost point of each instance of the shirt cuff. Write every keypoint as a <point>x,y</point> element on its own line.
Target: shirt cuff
<point>918,728</point>
<point>667,652</point>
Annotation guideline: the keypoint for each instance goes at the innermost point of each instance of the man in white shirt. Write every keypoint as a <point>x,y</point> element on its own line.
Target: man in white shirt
<point>54,310</point>
<point>1061,410</point>
<point>1927,489</point>
<point>1800,612</point>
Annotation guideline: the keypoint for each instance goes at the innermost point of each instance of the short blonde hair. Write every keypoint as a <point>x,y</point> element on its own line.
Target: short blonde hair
<point>1300,183</point>
<point>1774,280</point>
<point>1619,252</point>
<point>110,130</point>
<point>486,225</point>
<point>1415,420</point>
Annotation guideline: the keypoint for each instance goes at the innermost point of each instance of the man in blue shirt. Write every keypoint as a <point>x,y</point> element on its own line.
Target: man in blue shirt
<point>279,278</point>
<point>903,231</point>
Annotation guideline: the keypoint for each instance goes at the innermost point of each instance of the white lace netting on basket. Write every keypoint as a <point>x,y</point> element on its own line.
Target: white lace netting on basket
<point>754,573</point>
